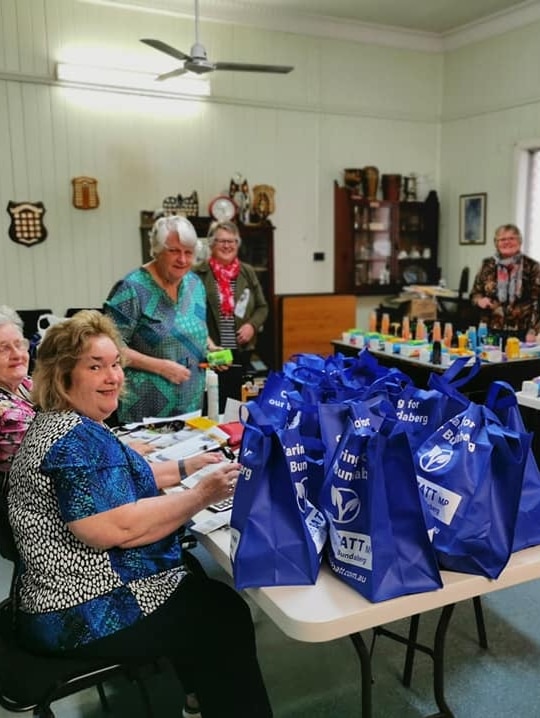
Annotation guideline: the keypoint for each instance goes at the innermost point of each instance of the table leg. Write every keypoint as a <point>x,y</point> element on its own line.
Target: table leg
<point>365,667</point>
<point>411,644</point>
<point>438,663</point>
<point>480,625</point>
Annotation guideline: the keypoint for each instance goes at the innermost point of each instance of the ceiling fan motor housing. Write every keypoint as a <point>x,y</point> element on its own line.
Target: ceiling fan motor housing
<point>199,67</point>
<point>198,52</point>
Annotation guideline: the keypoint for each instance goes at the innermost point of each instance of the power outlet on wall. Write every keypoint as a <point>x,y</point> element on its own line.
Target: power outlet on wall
<point>318,256</point>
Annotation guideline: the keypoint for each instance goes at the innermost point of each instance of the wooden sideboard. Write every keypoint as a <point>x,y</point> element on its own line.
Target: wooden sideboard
<point>309,322</point>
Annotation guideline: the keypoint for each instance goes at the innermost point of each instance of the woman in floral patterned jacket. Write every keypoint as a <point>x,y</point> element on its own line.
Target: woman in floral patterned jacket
<point>16,409</point>
<point>507,287</point>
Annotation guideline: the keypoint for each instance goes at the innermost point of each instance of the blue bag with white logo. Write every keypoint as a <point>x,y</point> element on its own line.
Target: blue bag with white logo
<point>277,534</point>
<point>273,398</point>
<point>378,541</point>
<point>422,411</point>
<point>470,473</point>
<point>501,399</point>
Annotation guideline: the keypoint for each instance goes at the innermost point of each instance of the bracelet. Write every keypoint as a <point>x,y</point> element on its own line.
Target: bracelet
<point>182,469</point>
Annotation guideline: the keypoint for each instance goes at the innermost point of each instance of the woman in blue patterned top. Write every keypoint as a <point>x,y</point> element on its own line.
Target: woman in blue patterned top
<point>102,572</point>
<point>160,311</point>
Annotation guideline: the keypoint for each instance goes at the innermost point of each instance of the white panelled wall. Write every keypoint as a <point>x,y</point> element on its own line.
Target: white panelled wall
<point>344,105</point>
<point>452,117</point>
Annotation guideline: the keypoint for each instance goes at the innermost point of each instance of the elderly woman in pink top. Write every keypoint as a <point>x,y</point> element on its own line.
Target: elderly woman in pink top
<point>16,409</point>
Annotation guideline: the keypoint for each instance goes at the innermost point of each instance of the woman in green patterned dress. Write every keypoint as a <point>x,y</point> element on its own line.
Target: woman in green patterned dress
<point>160,311</point>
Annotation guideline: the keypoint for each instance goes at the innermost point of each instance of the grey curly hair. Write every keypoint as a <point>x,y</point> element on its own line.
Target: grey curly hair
<point>228,227</point>
<point>10,316</point>
<point>164,226</point>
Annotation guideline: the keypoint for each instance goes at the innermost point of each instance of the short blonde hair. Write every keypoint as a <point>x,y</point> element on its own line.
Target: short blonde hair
<point>164,226</point>
<point>59,351</point>
<point>227,226</point>
<point>508,228</point>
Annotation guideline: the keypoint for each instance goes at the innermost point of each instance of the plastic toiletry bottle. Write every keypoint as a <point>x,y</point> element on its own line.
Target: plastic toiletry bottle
<point>482,334</point>
<point>406,328</point>
<point>436,332</point>
<point>420,330</point>
<point>372,326</point>
<point>212,395</point>
<point>448,334</point>
<point>385,324</point>
<point>512,348</point>
<point>436,352</point>
<point>472,339</point>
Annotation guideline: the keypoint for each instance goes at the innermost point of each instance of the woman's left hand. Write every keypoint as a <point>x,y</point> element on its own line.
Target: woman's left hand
<point>245,334</point>
<point>141,447</point>
<point>194,463</point>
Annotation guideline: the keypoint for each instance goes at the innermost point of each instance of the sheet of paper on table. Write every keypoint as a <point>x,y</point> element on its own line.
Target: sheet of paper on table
<point>197,443</point>
<point>157,420</point>
<point>430,291</point>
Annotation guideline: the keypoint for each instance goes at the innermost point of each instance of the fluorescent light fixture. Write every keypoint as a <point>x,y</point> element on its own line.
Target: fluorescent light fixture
<point>107,78</point>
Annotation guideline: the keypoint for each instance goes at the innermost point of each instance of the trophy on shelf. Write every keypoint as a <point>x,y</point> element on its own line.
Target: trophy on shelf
<point>370,179</point>
<point>410,188</point>
<point>352,179</point>
<point>263,202</point>
<point>239,192</point>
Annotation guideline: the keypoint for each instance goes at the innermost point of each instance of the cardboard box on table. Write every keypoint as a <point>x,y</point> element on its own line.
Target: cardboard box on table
<point>425,308</point>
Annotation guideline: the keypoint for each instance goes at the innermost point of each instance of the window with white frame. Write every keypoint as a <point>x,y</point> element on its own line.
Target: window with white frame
<point>528,197</point>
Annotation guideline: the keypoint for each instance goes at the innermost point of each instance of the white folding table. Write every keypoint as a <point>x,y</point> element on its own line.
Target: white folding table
<point>331,609</point>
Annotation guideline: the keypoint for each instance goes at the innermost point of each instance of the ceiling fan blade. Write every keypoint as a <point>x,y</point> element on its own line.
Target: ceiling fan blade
<point>172,73</point>
<point>167,49</point>
<point>250,67</point>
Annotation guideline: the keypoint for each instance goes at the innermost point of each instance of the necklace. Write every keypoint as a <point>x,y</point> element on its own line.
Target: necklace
<point>169,286</point>
<point>165,282</point>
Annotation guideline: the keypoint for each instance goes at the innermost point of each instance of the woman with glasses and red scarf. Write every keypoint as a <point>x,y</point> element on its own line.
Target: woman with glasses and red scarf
<point>236,306</point>
<point>506,289</point>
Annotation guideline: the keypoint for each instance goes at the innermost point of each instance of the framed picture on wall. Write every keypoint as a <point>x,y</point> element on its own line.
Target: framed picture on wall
<point>472,218</point>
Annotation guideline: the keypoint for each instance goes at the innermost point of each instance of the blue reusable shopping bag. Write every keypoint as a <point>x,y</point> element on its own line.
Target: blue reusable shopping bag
<point>274,398</point>
<point>277,534</point>
<point>470,473</point>
<point>351,377</point>
<point>378,541</point>
<point>501,399</point>
<point>422,411</point>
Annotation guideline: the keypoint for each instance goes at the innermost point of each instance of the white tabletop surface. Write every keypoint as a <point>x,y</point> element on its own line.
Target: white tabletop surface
<point>533,402</point>
<point>331,609</point>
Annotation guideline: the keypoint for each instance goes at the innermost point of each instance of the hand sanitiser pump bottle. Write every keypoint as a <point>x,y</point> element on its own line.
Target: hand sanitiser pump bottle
<point>212,395</point>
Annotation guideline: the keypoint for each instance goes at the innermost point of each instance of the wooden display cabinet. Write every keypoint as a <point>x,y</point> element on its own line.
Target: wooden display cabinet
<point>257,249</point>
<point>380,246</point>
<point>417,241</point>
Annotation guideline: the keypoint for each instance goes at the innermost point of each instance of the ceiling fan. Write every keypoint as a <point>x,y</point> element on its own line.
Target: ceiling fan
<point>198,61</point>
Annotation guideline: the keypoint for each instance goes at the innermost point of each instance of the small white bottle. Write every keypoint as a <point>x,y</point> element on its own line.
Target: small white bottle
<point>212,395</point>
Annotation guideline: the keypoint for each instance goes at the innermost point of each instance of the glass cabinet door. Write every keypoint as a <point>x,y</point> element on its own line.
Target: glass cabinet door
<point>381,245</point>
<point>373,230</point>
<point>417,242</point>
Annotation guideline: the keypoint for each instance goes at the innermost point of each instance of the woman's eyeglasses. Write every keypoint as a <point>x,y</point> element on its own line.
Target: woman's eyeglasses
<point>223,242</point>
<point>20,345</point>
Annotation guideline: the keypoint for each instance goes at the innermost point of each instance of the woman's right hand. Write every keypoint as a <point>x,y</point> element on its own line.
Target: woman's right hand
<point>484,303</point>
<point>219,484</point>
<point>174,372</point>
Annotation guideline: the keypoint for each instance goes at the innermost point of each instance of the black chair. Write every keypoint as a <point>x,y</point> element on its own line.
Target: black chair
<point>31,682</point>
<point>30,319</point>
<point>458,310</point>
<point>73,310</point>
